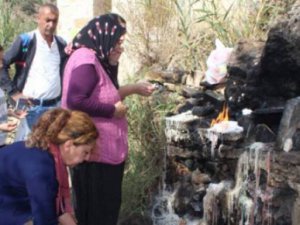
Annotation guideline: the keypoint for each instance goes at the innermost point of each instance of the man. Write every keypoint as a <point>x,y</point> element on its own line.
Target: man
<point>38,57</point>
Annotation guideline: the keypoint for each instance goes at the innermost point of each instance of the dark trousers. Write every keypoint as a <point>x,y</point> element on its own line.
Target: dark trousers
<point>97,188</point>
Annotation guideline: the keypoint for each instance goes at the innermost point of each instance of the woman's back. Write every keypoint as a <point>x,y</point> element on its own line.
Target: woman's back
<point>27,185</point>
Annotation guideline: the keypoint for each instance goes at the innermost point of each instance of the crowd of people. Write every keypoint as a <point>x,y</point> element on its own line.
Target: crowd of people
<point>71,100</point>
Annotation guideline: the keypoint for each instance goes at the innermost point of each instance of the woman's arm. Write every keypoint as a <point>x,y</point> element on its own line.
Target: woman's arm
<point>84,80</point>
<point>41,186</point>
<point>82,83</point>
<point>141,88</point>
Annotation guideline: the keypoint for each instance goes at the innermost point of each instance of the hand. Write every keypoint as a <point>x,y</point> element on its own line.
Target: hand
<point>144,88</point>
<point>9,126</point>
<point>69,49</point>
<point>20,114</point>
<point>18,95</point>
<point>67,219</point>
<point>120,110</point>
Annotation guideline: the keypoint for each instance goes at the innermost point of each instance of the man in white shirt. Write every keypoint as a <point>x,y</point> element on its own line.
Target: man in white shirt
<point>38,57</point>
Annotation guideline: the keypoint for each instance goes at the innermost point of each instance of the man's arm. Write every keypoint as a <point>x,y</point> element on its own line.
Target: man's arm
<point>11,56</point>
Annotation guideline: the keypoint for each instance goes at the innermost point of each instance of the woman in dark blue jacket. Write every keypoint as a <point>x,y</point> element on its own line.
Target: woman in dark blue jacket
<point>33,175</point>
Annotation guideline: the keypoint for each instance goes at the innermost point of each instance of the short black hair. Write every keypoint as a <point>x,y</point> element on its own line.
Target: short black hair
<point>1,48</point>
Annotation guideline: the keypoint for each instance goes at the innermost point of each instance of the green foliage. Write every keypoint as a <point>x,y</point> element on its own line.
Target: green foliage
<point>190,39</point>
<point>238,19</point>
<point>152,35</point>
<point>8,27</point>
<point>13,21</point>
<point>183,32</point>
<point>201,22</point>
<point>146,151</point>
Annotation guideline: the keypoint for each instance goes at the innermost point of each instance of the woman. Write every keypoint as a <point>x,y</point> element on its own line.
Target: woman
<point>33,175</point>
<point>90,84</point>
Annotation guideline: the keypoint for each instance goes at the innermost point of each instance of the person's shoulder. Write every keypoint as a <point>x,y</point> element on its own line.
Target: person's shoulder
<point>60,40</point>
<point>21,149</point>
<point>27,37</point>
<point>40,159</point>
<point>19,153</point>
<point>87,52</point>
<point>84,55</point>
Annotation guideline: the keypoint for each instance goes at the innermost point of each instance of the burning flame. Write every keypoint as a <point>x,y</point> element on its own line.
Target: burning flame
<point>223,116</point>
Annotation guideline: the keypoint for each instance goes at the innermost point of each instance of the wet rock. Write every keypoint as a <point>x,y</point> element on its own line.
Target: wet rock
<point>244,68</point>
<point>280,74</point>
<point>289,124</point>
<point>192,92</point>
<point>196,101</point>
<point>199,179</point>
<point>184,107</point>
<point>264,134</point>
<point>136,220</point>
<point>182,198</point>
<point>203,110</point>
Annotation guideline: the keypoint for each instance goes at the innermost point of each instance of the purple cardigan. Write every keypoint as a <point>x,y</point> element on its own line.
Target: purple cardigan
<point>111,145</point>
<point>83,81</point>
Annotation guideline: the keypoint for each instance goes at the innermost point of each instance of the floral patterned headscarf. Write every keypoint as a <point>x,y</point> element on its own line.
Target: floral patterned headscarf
<point>101,34</point>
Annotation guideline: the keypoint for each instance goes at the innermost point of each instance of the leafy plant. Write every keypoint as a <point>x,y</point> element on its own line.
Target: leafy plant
<point>14,20</point>
<point>146,150</point>
<point>239,19</point>
<point>152,35</point>
<point>7,24</point>
<point>190,38</point>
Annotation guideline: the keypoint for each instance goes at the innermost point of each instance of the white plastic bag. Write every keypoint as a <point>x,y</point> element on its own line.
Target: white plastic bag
<point>217,63</point>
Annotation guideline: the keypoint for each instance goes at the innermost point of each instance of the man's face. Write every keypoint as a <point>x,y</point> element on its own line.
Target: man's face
<point>47,22</point>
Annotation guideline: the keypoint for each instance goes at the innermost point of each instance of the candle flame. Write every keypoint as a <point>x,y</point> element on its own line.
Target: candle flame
<point>223,116</point>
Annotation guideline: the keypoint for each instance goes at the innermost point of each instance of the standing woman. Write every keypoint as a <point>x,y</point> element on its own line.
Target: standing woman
<point>33,175</point>
<point>91,85</point>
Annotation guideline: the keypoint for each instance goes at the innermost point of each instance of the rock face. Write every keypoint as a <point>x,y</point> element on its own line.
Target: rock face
<point>252,178</point>
<point>280,63</point>
<point>224,181</point>
<point>288,137</point>
<point>242,89</point>
<point>265,75</point>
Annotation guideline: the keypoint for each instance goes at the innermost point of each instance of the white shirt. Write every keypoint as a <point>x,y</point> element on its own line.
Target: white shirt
<point>43,80</point>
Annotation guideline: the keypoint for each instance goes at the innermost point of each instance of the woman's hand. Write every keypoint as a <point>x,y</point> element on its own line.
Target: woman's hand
<point>144,88</point>
<point>120,110</point>
<point>67,219</point>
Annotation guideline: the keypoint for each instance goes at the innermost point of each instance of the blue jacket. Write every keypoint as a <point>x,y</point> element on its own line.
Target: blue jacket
<point>21,53</point>
<point>28,186</point>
